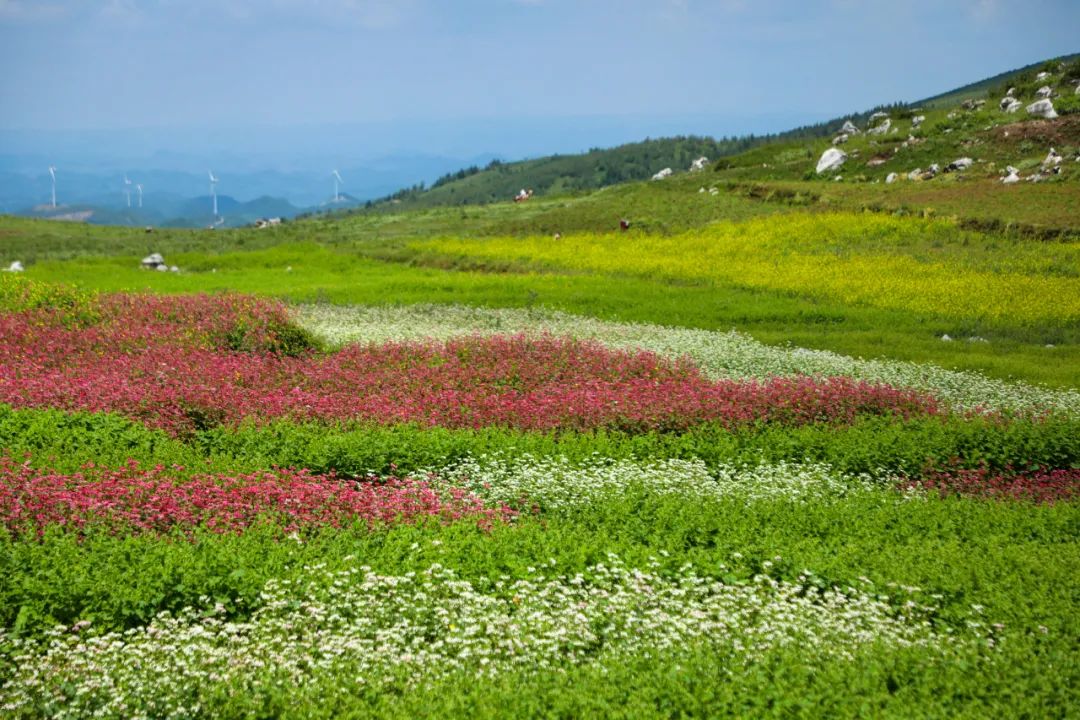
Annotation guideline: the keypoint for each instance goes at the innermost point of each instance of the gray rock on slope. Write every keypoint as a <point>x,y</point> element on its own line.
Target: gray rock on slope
<point>960,164</point>
<point>880,129</point>
<point>1042,109</point>
<point>830,160</point>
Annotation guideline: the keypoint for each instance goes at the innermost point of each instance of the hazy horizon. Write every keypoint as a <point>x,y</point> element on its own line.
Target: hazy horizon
<point>290,86</point>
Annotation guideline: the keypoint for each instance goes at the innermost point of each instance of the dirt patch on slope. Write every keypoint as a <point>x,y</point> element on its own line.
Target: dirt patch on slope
<point>1060,131</point>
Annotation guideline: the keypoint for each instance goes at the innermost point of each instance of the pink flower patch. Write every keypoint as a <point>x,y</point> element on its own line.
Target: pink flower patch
<point>149,500</point>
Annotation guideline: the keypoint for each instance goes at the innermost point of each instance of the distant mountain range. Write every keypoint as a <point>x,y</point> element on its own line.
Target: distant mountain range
<point>181,198</point>
<point>173,211</point>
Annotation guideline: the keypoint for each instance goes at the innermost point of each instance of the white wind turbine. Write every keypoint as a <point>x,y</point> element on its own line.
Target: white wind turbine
<point>213,191</point>
<point>138,189</point>
<point>127,190</point>
<point>337,181</point>
<point>52,172</point>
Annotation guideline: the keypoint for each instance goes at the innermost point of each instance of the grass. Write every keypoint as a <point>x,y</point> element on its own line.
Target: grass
<point>340,274</point>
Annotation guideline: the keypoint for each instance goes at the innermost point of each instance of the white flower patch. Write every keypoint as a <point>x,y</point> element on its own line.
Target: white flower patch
<point>719,354</point>
<point>559,484</point>
<point>360,629</point>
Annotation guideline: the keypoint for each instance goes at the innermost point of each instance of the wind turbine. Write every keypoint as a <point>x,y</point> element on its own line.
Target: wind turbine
<point>127,190</point>
<point>337,181</point>
<point>138,188</point>
<point>213,190</point>
<point>52,171</point>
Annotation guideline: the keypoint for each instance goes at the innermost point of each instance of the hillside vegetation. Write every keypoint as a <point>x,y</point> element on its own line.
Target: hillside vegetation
<point>746,441</point>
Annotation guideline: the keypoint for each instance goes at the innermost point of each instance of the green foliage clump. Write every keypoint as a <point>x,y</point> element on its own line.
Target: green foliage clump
<point>63,303</point>
<point>1067,104</point>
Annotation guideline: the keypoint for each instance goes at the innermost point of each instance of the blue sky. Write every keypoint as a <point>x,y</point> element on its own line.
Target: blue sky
<point>246,66</point>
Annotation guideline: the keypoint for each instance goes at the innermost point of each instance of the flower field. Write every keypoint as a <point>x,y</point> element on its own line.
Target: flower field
<point>223,506</point>
<point>853,259</point>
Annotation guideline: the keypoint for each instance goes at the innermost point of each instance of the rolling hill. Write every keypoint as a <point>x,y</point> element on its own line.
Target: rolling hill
<point>568,174</point>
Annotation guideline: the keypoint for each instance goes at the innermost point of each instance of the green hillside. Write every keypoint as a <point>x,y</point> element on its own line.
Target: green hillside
<point>786,155</point>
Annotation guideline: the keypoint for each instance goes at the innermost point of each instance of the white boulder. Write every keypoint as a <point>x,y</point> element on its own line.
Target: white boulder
<point>1053,159</point>
<point>917,121</point>
<point>15,266</point>
<point>153,261</point>
<point>849,128</point>
<point>914,174</point>
<point>880,129</point>
<point>877,116</point>
<point>666,172</point>
<point>1013,105</point>
<point>840,139</point>
<point>162,268</point>
<point>830,160</point>
<point>699,164</point>
<point>1044,92</point>
<point>891,178</point>
<point>1013,176</point>
<point>1042,76</point>
<point>1042,109</point>
<point>1010,92</point>
<point>960,164</point>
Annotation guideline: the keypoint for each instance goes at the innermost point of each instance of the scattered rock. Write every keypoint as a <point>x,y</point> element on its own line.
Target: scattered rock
<point>153,261</point>
<point>1043,109</point>
<point>15,266</point>
<point>666,172</point>
<point>914,174</point>
<point>840,139</point>
<point>977,339</point>
<point>972,104</point>
<point>946,338</point>
<point>162,268</point>
<point>874,162</point>
<point>877,116</point>
<point>917,121</point>
<point>838,178</point>
<point>1052,160</point>
<point>880,129</point>
<point>830,160</point>
<point>1042,76</point>
<point>1012,176</point>
<point>174,269</point>
<point>891,178</point>
<point>1044,92</point>
<point>701,189</point>
<point>849,128</point>
<point>961,164</point>
<point>699,164</point>
<point>1010,91</point>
